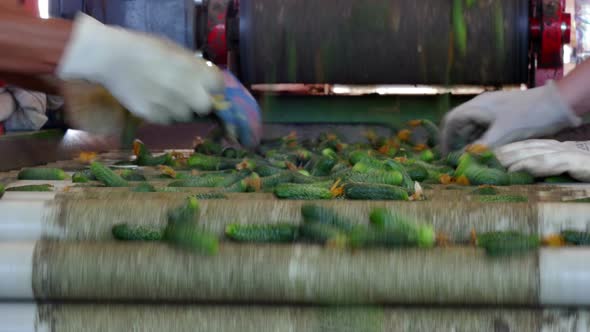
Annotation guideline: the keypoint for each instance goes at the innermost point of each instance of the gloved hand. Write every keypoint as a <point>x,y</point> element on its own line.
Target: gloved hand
<point>153,78</point>
<point>240,116</point>
<point>547,158</point>
<point>498,118</point>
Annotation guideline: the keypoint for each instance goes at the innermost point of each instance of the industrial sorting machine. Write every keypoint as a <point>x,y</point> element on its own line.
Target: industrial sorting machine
<point>61,269</point>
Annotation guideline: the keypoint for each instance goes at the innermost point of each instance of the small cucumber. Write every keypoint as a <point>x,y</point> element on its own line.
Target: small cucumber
<point>391,238</point>
<point>516,178</point>
<point>564,178</point>
<point>407,182</point>
<point>313,213</point>
<point>132,175</point>
<point>368,191</point>
<point>507,243</point>
<point>79,177</point>
<point>502,199</point>
<point>133,232</point>
<point>452,158</point>
<point>478,175</point>
<point>322,233</point>
<point>273,180</point>
<point>190,237</point>
<point>379,177</point>
<point>267,170</point>
<point>144,188</point>
<point>208,147</point>
<point>2,189</point>
<point>417,172</point>
<point>576,237</point>
<point>358,155</point>
<point>211,163</point>
<point>188,212</point>
<point>323,166</point>
<point>270,233</point>
<point>149,160</point>
<point>302,191</point>
<point>212,195</point>
<point>485,190</point>
<point>424,235</point>
<point>32,187</point>
<point>41,174</point>
<point>426,156</point>
<point>107,176</point>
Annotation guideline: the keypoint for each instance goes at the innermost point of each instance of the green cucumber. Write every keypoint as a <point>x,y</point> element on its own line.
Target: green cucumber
<point>452,158</point>
<point>271,233</point>
<point>485,190</point>
<point>212,195</point>
<point>417,173</point>
<point>368,191</point>
<point>188,212</point>
<point>323,166</point>
<point>2,189</point>
<point>383,220</point>
<point>144,188</point>
<point>379,177</point>
<point>267,170</point>
<point>107,176</point>
<point>149,160</point>
<point>80,177</point>
<point>576,237</point>
<point>507,243</point>
<point>302,191</point>
<point>358,155</point>
<point>516,178</point>
<point>32,187</point>
<point>426,156</point>
<point>391,238</point>
<point>208,147</point>
<point>205,181</point>
<point>134,232</point>
<point>211,163</point>
<point>268,182</point>
<point>407,182</point>
<point>42,174</point>
<point>564,178</point>
<point>322,233</point>
<point>190,237</point>
<point>313,213</point>
<point>479,175</point>
<point>132,175</point>
<point>502,199</point>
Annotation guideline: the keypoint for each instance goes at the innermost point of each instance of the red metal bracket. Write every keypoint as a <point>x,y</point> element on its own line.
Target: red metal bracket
<point>216,41</point>
<point>550,29</point>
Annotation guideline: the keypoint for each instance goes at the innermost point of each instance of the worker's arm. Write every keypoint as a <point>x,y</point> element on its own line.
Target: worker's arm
<point>152,77</point>
<point>30,46</point>
<point>498,118</point>
<point>575,88</point>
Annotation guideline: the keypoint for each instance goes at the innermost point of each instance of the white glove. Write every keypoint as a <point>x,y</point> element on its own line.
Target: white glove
<point>498,118</point>
<point>544,158</point>
<point>152,77</point>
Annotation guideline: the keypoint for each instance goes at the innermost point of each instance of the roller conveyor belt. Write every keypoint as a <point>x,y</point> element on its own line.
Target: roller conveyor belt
<point>60,248</point>
<point>255,318</point>
<point>293,274</point>
<point>89,214</point>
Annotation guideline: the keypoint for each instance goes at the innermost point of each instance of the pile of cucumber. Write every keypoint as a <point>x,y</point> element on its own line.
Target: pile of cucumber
<point>381,168</point>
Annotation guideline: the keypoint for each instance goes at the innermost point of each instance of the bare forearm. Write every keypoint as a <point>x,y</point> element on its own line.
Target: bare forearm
<point>30,45</point>
<point>575,88</point>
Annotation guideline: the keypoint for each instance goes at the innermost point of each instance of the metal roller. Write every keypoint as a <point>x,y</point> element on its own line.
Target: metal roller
<point>114,317</point>
<point>383,41</point>
<point>293,274</point>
